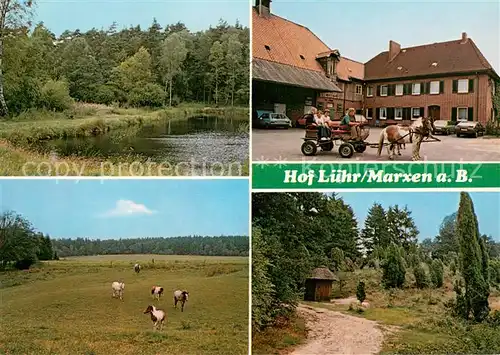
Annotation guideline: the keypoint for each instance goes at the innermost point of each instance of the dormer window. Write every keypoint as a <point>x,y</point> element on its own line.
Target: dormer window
<point>267,47</point>
<point>435,64</point>
<point>302,57</point>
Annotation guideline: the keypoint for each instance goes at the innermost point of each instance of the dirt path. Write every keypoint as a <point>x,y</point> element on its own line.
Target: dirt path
<point>336,333</point>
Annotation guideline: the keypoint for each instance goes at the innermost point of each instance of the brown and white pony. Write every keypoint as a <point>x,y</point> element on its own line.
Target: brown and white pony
<point>398,135</point>
<point>157,316</point>
<point>182,297</point>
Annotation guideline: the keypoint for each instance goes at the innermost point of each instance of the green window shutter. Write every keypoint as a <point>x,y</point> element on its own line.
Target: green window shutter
<point>454,114</point>
<point>422,88</point>
<point>428,87</point>
<point>471,85</point>
<point>377,113</point>
<point>441,87</point>
<point>470,114</point>
<point>390,113</point>
<point>455,86</point>
<point>422,111</point>
<point>378,90</point>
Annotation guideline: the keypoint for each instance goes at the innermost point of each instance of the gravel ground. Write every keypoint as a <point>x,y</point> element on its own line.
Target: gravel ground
<point>336,333</point>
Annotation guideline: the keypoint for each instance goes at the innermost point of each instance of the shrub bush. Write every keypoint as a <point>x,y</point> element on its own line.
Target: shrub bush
<point>360,292</point>
<point>393,269</point>
<point>54,96</point>
<point>421,278</point>
<point>150,95</point>
<point>437,273</point>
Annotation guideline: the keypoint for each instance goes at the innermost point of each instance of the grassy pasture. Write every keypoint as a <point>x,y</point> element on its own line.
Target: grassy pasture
<point>65,307</point>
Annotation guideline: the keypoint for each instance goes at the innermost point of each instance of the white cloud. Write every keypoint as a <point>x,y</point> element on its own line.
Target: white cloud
<point>128,208</point>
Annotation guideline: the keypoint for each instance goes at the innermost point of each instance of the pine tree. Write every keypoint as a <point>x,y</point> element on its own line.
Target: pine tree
<point>375,232</point>
<point>473,259</point>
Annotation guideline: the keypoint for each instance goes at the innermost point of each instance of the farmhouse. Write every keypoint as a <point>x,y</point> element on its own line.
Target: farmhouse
<point>319,284</point>
<point>293,70</point>
<point>287,76</point>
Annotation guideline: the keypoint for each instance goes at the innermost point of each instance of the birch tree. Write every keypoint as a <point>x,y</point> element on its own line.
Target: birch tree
<point>173,54</point>
<point>234,58</point>
<point>216,60</point>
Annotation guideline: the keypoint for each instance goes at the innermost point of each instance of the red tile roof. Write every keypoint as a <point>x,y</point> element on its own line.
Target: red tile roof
<point>286,41</point>
<point>451,57</point>
<point>348,69</point>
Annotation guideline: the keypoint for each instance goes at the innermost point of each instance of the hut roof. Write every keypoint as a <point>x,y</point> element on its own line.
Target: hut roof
<point>323,273</point>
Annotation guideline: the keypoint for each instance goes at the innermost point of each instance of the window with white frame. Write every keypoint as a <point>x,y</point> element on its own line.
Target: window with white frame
<point>434,87</point>
<point>399,89</point>
<point>415,113</point>
<point>462,114</point>
<point>383,113</point>
<point>415,89</point>
<point>463,86</point>
<point>359,89</point>
<point>398,113</point>
<point>384,89</point>
<point>369,91</point>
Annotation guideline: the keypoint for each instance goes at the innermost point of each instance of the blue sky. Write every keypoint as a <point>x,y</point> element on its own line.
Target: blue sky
<point>429,208</point>
<point>61,15</point>
<point>130,208</point>
<point>362,29</point>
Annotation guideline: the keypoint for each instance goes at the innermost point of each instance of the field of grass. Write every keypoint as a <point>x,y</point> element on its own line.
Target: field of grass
<point>18,135</point>
<point>65,307</point>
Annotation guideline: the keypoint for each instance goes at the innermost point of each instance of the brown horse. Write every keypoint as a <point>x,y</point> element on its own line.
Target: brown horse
<point>398,135</point>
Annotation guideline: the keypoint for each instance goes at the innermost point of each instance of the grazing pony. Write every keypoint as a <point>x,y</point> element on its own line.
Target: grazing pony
<point>157,316</point>
<point>180,296</point>
<point>117,288</point>
<point>398,135</point>
<point>137,268</point>
<point>156,291</point>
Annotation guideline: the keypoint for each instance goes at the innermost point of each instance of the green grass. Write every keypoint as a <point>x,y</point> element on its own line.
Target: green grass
<point>65,307</point>
<point>279,338</point>
<point>18,135</point>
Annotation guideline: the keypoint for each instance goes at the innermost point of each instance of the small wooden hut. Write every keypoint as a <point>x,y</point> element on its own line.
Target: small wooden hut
<point>319,284</point>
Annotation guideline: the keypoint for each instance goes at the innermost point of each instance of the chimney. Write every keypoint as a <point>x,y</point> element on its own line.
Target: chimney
<point>464,38</point>
<point>394,49</point>
<point>263,7</point>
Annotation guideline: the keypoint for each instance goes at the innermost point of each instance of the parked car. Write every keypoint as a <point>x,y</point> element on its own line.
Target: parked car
<point>444,127</point>
<point>468,128</point>
<point>271,119</point>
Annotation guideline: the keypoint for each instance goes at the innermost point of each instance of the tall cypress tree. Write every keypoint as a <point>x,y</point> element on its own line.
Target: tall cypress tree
<point>473,260</point>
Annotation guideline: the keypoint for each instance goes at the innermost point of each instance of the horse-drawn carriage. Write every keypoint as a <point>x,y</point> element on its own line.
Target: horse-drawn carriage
<point>419,131</point>
<point>339,137</point>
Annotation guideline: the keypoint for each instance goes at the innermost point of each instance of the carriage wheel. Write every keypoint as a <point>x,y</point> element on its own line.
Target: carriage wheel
<point>309,148</point>
<point>360,147</point>
<point>346,150</point>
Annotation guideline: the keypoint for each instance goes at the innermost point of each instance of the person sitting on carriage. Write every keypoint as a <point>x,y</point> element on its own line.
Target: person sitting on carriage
<point>323,129</point>
<point>349,123</point>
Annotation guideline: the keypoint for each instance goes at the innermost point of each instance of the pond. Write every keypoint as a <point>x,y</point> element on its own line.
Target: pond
<point>199,141</point>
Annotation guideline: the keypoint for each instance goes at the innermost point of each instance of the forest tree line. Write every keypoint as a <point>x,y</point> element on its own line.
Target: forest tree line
<point>293,233</point>
<point>21,245</point>
<point>155,66</point>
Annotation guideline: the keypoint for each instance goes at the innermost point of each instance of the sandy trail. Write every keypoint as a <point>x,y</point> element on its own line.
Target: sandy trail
<point>334,333</point>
